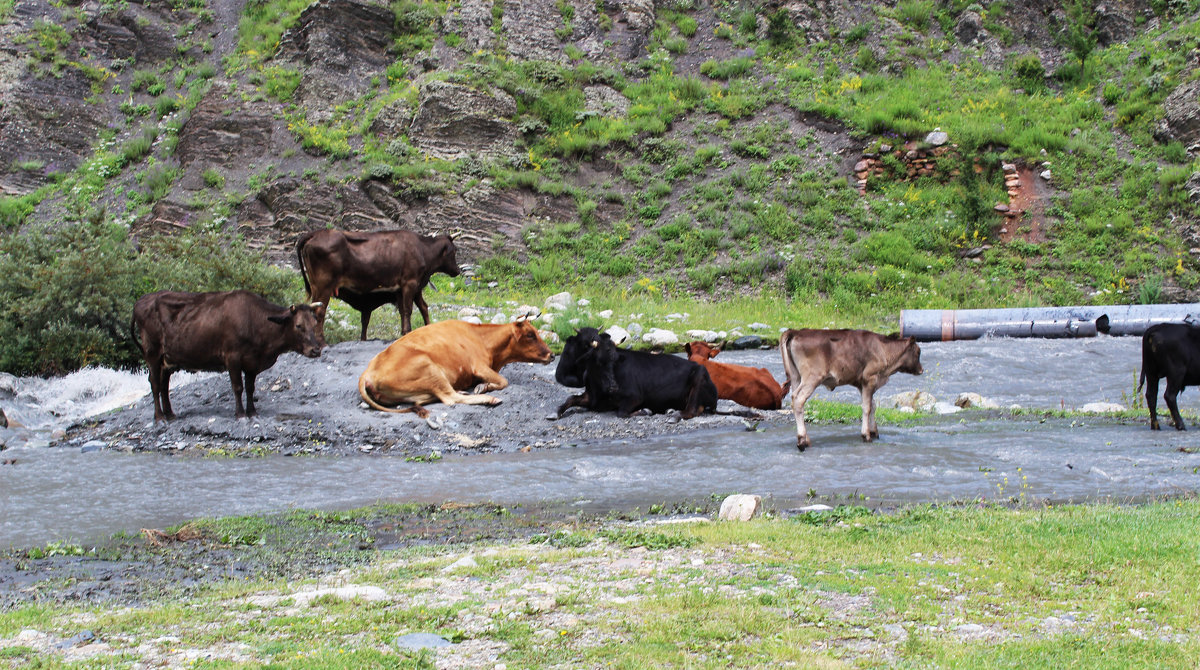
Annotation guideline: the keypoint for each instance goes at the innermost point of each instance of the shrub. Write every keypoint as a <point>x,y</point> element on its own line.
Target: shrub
<point>915,13</point>
<point>727,69</point>
<point>1029,71</point>
<point>281,83</point>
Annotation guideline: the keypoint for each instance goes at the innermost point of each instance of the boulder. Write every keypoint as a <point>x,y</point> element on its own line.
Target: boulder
<point>528,311</point>
<point>417,641</point>
<point>618,334</point>
<point>917,401</point>
<point>635,329</point>
<point>703,335</point>
<point>1181,119</point>
<point>747,342</point>
<point>604,101</point>
<point>937,138</point>
<point>1102,407</point>
<point>969,27</point>
<point>454,121</point>
<point>222,131</point>
<point>558,301</point>
<point>740,507</point>
<point>605,314</point>
<point>659,337</point>
<point>498,318</point>
<point>549,336</point>
<point>1113,24</point>
<point>967,400</point>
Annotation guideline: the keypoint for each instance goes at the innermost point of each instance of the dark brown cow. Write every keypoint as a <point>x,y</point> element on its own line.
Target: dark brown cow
<point>236,331</point>
<point>833,358</point>
<point>751,387</point>
<point>439,361</point>
<point>370,269</point>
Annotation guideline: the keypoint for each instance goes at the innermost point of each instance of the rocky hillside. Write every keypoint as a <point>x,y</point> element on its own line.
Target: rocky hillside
<point>865,153</point>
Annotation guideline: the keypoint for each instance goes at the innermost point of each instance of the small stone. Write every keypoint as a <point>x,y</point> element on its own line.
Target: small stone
<point>499,318</point>
<point>1045,175</point>
<point>618,334</point>
<point>747,342</point>
<point>583,302</point>
<point>1102,407</point>
<point>605,314</point>
<point>758,326</point>
<point>468,312</point>
<point>937,138</point>
<point>965,400</point>
<point>1001,207</point>
<point>467,562</point>
<point>421,641</point>
<point>635,329</point>
<point>75,641</point>
<point>659,337</point>
<point>93,445</point>
<point>919,401</point>
<point>558,301</point>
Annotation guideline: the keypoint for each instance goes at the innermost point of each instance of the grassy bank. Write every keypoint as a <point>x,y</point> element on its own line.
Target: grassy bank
<point>1079,586</point>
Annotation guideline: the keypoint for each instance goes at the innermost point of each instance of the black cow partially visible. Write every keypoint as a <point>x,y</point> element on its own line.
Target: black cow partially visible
<point>627,381</point>
<point>368,270</point>
<point>236,331</point>
<point>1170,350</point>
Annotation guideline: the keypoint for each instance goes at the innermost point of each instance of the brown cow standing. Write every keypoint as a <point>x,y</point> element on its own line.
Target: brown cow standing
<point>751,387</point>
<point>833,358</point>
<point>438,361</point>
<point>369,269</point>
<point>236,331</point>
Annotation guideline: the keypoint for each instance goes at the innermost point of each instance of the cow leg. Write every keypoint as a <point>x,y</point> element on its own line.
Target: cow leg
<point>869,429</point>
<point>364,317</point>
<point>489,380</point>
<point>235,380</point>
<point>420,302</point>
<point>250,377</point>
<point>691,404</point>
<point>580,400</point>
<point>446,393</point>
<point>164,390</point>
<point>156,392</point>
<point>1173,389</point>
<point>628,405</point>
<point>406,305</point>
<point>1152,400</point>
<point>800,396</point>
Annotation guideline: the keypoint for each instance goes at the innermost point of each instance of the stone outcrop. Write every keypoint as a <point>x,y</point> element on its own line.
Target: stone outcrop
<point>1181,121</point>
<point>130,34</point>
<point>917,159</point>
<point>222,131</point>
<point>454,121</point>
<point>534,21</point>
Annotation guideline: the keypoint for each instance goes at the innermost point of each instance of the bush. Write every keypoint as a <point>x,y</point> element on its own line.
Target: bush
<point>66,295</point>
<point>1029,71</point>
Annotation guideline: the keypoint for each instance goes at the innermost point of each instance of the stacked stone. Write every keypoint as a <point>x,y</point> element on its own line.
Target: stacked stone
<point>919,159</point>
<point>1012,183</point>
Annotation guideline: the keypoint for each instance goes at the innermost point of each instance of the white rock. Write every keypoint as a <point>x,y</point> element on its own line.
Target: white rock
<point>368,593</point>
<point>547,318</point>
<point>705,335</point>
<point>740,507</point>
<point>558,301</point>
<point>618,334</point>
<point>528,311</point>
<point>472,319</point>
<point>965,400</point>
<point>659,337</point>
<point>918,401</point>
<point>815,508</point>
<point>635,329</point>
<point>467,561</point>
<point>499,317</point>
<point>468,312</point>
<point>942,407</point>
<point>548,336</point>
<point>1102,407</point>
<point>605,314</point>
<point>583,302</point>
<point>758,326</point>
<point>1045,175</point>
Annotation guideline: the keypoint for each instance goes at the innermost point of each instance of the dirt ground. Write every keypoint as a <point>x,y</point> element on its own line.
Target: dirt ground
<point>311,406</point>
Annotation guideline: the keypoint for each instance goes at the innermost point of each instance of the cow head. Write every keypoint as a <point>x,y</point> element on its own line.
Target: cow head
<point>910,359</point>
<point>526,345</point>
<point>301,330</point>
<point>445,260</point>
<point>700,351</point>
<point>603,362</point>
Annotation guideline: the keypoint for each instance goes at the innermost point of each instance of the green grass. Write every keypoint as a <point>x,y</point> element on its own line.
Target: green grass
<point>971,586</point>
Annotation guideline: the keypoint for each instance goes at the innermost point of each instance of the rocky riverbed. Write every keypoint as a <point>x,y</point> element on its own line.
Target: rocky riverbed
<point>312,407</point>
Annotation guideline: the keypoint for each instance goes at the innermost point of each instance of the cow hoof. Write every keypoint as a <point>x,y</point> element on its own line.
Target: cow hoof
<point>866,438</point>
<point>494,401</point>
<point>552,417</point>
<point>802,443</point>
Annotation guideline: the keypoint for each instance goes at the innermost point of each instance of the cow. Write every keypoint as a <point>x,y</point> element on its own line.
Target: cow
<point>627,381</point>
<point>751,387</point>
<point>832,358</point>
<point>368,270</point>
<point>437,362</point>
<point>1170,350</point>
<point>239,332</point>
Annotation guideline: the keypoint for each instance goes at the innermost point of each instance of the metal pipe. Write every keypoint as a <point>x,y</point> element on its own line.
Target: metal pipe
<point>933,325</point>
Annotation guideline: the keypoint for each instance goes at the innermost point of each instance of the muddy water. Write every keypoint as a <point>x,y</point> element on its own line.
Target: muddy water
<point>64,493</point>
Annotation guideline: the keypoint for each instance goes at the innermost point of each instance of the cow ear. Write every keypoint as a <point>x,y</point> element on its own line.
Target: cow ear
<point>713,353</point>
<point>687,349</point>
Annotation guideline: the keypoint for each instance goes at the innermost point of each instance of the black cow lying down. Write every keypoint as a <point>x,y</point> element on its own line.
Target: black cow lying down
<point>627,381</point>
<point>236,331</point>
<point>1170,350</point>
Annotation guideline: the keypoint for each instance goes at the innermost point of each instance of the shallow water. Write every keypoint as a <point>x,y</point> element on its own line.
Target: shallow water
<point>62,493</point>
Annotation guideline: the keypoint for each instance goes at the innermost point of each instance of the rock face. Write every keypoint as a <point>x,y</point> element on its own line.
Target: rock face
<point>223,132</point>
<point>454,121</point>
<point>1181,123</point>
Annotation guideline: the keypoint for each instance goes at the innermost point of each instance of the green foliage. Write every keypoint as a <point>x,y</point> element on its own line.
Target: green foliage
<point>281,83</point>
<point>634,537</point>
<point>1028,70</point>
<point>66,294</point>
<point>727,69</point>
<point>915,13</point>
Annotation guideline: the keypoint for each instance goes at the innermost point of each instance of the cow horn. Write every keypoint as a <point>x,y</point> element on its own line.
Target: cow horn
<point>314,305</point>
<point>595,343</point>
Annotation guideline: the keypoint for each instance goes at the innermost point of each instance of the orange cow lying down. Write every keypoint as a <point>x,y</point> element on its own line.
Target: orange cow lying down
<point>752,387</point>
<point>435,363</point>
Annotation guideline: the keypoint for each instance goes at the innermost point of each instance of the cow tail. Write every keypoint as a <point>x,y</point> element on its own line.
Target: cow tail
<point>785,350</point>
<point>366,396</point>
<point>300,258</point>
<point>136,336</point>
<point>1142,373</point>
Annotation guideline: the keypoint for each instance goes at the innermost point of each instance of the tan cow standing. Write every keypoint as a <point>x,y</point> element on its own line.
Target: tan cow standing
<point>832,358</point>
<point>436,363</point>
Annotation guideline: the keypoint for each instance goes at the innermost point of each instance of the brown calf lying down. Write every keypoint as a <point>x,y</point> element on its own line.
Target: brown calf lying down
<point>435,363</point>
<point>751,387</point>
<point>832,358</point>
